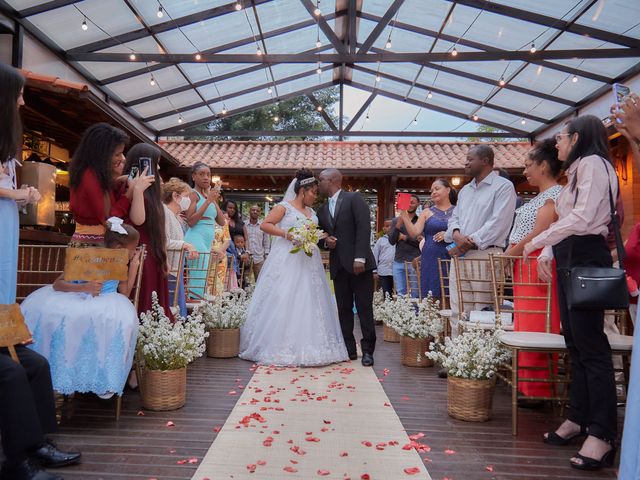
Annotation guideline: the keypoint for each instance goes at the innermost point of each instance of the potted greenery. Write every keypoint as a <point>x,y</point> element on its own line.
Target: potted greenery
<point>223,316</point>
<point>417,323</point>
<point>471,360</point>
<point>164,351</point>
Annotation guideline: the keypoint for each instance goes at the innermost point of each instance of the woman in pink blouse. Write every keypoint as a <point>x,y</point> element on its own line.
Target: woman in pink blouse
<point>578,238</point>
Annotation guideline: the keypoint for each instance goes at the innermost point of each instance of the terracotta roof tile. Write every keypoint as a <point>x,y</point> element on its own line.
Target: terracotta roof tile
<point>342,155</point>
<point>37,79</point>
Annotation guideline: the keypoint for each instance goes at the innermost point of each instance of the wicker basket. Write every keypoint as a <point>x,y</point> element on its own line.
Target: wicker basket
<point>164,389</point>
<point>412,352</point>
<point>390,335</point>
<point>223,342</point>
<point>470,400</point>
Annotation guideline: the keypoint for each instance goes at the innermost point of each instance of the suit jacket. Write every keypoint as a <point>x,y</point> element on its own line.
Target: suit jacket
<point>351,225</point>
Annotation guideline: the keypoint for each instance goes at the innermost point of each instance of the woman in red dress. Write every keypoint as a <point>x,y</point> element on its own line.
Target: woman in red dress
<point>542,169</point>
<point>150,224</point>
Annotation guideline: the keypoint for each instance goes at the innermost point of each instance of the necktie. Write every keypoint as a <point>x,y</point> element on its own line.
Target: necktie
<point>332,206</point>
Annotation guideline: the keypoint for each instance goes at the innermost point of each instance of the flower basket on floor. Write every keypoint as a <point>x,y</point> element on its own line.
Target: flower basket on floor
<point>164,350</point>
<point>471,360</point>
<point>224,315</point>
<point>416,322</point>
<point>389,334</point>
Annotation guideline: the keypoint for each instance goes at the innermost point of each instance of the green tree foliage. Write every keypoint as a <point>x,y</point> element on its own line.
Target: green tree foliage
<point>486,131</point>
<point>295,114</point>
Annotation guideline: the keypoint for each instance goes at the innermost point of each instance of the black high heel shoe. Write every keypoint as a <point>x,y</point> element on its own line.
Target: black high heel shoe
<point>553,438</point>
<point>592,464</point>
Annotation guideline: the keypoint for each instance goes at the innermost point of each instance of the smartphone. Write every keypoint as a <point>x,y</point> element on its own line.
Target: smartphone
<point>146,162</point>
<point>403,201</point>
<point>620,93</point>
<point>133,173</point>
<point>452,245</point>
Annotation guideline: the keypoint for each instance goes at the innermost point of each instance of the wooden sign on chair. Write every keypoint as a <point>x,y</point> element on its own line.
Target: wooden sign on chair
<point>13,330</point>
<point>96,264</point>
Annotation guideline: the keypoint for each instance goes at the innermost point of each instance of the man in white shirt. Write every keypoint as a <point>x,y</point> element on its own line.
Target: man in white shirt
<point>479,225</point>
<point>259,243</point>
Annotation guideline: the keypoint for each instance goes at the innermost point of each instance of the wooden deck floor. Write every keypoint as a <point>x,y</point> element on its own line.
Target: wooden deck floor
<point>144,447</point>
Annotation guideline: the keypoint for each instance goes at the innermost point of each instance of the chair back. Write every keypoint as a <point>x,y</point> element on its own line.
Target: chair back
<point>412,277</point>
<point>38,265</point>
<point>199,276</point>
<point>474,284</point>
<point>444,272</point>
<point>176,265</point>
<point>517,288</point>
<point>135,292</point>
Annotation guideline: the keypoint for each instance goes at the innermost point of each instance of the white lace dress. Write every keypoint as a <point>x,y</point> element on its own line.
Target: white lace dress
<point>293,318</point>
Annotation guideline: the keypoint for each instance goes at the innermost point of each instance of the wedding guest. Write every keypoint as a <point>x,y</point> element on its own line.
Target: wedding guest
<point>432,224</point>
<point>202,215</point>
<point>384,254</point>
<point>221,243</point>
<point>627,121</point>
<point>11,100</point>
<point>88,330</point>
<point>258,242</point>
<point>542,169</point>
<point>175,197</point>
<point>479,224</point>
<point>97,185</point>
<point>151,226</point>
<point>236,224</point>
<point>578,238</point>
<point>407,249</point>
<point>242,259</point>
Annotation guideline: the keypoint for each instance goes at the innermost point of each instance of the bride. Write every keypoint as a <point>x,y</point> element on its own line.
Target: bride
<point>292,319</point>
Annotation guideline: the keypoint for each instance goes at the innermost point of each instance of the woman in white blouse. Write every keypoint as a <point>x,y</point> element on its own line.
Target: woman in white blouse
<point>175,196</point>
<point>578,238</point>
<point>542,169</point>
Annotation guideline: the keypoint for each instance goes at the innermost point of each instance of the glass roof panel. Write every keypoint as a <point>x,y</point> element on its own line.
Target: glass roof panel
<point>140,86</point>
<point>247,99</point>
<point>455,84</point>
<point>174,9</point>
<point>506,119</point>
<point>516,100</point>
<point>102,70</point>
<point>22,4</point>
<point>142,45</point>
<point>304,83</point>
<point>274,15</point>
<point>63,25</point>
<point>408,71</point>
<point>558,9</point>
<point>428,15</point>
<point>190,116</point>
<point>237,84</point>
<point>547,80</point>
<point>296,41</point>
<point>458,106</point>
<point>167,104</point>
<point>605,15</point>
<point>547,109</point>
<point>200,71</point>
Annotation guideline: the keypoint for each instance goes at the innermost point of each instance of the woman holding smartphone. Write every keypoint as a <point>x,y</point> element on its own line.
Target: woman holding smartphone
<point>150,223</point>
<point>202,215</point>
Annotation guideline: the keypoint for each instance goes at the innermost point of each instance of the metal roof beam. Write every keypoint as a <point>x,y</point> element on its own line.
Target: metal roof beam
<point>547,21</point>
<point>45,7</point>
<point>180,128</point>
<point>171,24</point>
<point>381,25</point>
<point>447,111</point>
<point>322,111</point>
<point>383,57</point>
<point>325,133</point>
<point>324,26</point>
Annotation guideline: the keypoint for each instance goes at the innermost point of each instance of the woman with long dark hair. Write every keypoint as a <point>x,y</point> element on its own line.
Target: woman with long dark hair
<point>432,223</point>
<point>236,224</point>
<point>12,85</point>
<point>579,239</point>
<point>150,223</point>
<point>98,188</point>
<point>202,215</point>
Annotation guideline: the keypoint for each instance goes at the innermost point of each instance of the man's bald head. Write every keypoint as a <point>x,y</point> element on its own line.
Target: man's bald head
<point>330,181</point>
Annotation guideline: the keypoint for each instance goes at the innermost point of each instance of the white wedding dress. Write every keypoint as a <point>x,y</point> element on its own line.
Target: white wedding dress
<point>292,319</point>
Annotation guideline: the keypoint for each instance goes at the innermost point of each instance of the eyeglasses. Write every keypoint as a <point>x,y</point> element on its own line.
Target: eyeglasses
<point>560,135</point>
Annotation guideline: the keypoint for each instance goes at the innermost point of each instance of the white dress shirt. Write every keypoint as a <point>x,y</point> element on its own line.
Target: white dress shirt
<point>258,243</point>
<point>484,212</point>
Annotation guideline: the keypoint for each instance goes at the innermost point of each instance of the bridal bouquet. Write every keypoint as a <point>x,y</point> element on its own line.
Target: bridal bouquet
<point>305,237</point>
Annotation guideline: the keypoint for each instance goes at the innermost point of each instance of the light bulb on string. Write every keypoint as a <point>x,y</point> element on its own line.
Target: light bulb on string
<point>198,57</point>
<point>152,82</point>
<point>238,6</point>
<point>180,119</point>
<point>319,70</point>
<point>276,119</point>
<point>415,120</point>
<point>160,12</point>
<point>378,78</point>
<point>224,110</point>
<point>366,118</point>
<point>574,79</point>
<point>429,95</point>
<point>501,82</point>
<point>388,44</point>
<point>454,52</point>
<point>533,48</point>
<point>523,121</point>
<point>319,108</point>
<point>132,56</point>
<point>85,27</point>
<point>318,43</point>
<point>269,90</point>
<point>258,51</point>
<point>475,118</point>
<point>316,11</point>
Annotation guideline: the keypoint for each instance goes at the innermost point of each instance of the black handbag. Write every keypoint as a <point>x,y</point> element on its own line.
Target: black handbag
<point>600,288</point>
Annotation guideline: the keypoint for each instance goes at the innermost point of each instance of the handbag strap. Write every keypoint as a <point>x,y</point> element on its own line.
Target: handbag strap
<point>614,220</point>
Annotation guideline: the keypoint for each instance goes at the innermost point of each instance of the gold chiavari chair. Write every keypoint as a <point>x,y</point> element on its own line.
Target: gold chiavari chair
<point>412,278</point>
<point>176,262</point>
<point>38,265</point>
<point>444,273</point>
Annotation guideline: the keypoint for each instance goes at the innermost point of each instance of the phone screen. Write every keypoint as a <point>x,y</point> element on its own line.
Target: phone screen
<point>620,92</point>
<point>133,173</point>
<point>403,201</point>
<point>146,162</point>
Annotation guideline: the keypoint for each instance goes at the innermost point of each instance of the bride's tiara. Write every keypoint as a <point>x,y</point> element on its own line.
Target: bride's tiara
<point>306,181</point>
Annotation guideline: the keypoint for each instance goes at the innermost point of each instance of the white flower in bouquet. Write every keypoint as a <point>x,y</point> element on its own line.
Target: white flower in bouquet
<point>379,305</point>
<point>169,346</point>
<point>475,354</point>
<point>416,319</point>
<point>228,310</point>
<point>305,237</point>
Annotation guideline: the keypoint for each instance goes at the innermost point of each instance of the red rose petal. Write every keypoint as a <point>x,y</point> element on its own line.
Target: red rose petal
<point>290,469</point>
<point>449,452</point>
<point>344,454</point>
<point>140,413</point>
<point>489,468</point>
<point>365,476</point>
<point>411,470</point>
<point>192,460</point>
<point>251,467</point>
<point>170,424</point>
<point>366,443</point>
<point>324,473</point>
<point>327,422</point>
<point>312,439</point>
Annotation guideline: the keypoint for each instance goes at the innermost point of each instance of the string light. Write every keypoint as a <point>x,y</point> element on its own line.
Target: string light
<point>574,79</point>
<point>319,70</point>
<point>238,6</point>
<point>523,121</point>
<point>415,120</point>
<point>258,51</point>
<point>533,48</point>
<point>85,27</point>
<point>132,56</point>
<point>198,57</point>
<point>317,11</point>
<point>224,110</point>
<point>319,108</point>
<point>366,118</point>
<point>318,42</point>
<point>501,82</point>
<point>160,12</point>
<point>475,118</point>
<point>388,45</point>
<point>276,118</point>
<point>152,82</point>
<point>454,52</point>
<point>429,95</point>
<point>378,78</point>
<point>269,90</point>
<point>180,119</point>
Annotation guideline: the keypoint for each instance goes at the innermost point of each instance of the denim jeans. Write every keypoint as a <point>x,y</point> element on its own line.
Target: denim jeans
<point>182,302</point>
<point>400,279</point>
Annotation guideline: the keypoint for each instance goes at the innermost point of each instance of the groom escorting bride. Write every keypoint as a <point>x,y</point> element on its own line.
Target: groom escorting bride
<point>292,318</point>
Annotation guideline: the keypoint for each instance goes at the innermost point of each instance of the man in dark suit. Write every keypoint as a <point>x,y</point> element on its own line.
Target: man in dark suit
<point>345,218</point>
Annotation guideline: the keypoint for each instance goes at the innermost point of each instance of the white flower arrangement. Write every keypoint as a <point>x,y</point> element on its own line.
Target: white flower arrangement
<point>305,238</point>
<point>474,354</point>
<point>379,306</point>
<point>228,310</point>
<point>169,346</point>
<point>412,318</point>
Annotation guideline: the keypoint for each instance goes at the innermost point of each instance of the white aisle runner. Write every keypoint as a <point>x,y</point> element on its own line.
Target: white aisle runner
<point>331,422</point>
